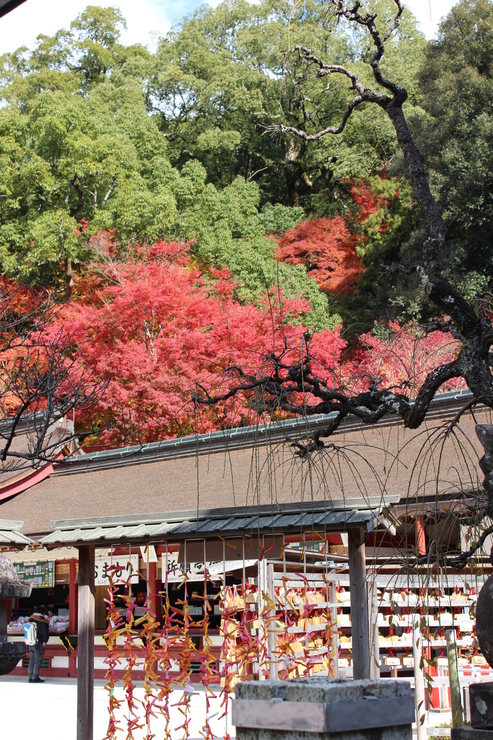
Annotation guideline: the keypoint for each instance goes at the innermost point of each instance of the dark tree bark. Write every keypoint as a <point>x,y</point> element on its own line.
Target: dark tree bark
<point>279,387</point>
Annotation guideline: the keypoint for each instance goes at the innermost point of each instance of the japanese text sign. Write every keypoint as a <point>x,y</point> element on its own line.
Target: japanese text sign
<point>119,567</point>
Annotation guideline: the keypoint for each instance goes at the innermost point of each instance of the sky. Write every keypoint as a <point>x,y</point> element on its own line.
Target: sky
<point>145,18</point>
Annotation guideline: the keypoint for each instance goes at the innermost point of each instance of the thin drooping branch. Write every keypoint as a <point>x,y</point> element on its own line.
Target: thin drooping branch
<point>467,407</point>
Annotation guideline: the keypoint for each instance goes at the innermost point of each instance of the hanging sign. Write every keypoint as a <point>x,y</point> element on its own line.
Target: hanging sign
<point>174,572</point>
<point>120,567</point>
<point>40,574</point>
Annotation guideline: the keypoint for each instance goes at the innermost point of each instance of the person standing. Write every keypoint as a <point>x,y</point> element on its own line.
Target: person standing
<point>36,652</point>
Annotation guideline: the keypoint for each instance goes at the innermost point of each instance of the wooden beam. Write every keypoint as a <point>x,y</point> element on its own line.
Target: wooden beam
<point>72,597</point>
<point>85,670</point>
<point>360,632</point>
<point>154,597</point>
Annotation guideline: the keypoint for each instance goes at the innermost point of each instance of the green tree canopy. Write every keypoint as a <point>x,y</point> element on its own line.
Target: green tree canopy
<point>224,75</point>
<point>80,153</point>
<point>456,134</point>
<point>77,148</point>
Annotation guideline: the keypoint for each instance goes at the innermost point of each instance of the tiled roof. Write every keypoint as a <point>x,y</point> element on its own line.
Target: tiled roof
<point>321,517</point>
<point>234,469</point>
<point>10,534</point>
<point>443,406</point>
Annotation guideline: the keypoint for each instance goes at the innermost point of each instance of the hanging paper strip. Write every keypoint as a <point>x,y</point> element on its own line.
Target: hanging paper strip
<point>291,629</point>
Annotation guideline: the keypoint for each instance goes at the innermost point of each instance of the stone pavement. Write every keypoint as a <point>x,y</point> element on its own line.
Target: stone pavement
<point>48,711</point>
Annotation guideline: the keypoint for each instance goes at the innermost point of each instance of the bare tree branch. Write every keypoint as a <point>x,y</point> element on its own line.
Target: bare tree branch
<point>42,379</point>
<point>353,15</point>
<point>281,128</point>
<point>432,384</point>
<point>446,327</point>
<point>461,560</point>
<point>475,331</point>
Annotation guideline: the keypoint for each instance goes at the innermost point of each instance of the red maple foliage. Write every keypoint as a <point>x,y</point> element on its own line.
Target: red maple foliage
<point>39,372</point>
<point>403,357</point>
<point>21,310</point>
<point>367,200</point>
<point>155,327</point>
<point>328,246</point>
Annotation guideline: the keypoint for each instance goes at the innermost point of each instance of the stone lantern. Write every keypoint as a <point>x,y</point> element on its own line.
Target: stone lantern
<point>10,588</point>
<point>481,694</point>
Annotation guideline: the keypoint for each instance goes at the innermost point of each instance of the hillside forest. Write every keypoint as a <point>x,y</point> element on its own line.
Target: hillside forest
<point>156,230</point>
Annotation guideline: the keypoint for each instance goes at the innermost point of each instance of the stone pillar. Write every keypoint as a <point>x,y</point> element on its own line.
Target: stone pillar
<point>318,708</point>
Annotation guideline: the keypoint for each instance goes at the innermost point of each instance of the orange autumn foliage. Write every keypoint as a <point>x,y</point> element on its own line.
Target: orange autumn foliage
<point>328,246</point>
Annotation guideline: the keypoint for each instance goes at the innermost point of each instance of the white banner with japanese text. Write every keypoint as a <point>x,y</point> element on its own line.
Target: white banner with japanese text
<point>121,567</point>
<point>172,571</point>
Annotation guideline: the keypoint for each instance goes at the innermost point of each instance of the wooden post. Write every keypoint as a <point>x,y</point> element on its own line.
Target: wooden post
<point>420,535</point>
<point>374,647</point>
<point>154,598</point>
<point>272,637</point>
<point>72,597</point>
<point>72,616</point>
<point>419,683</point>
<point>453,673</point>
<point>334,631</point>
<point>85,672</point>
<point>360,632</point>
<point>262,632</point>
